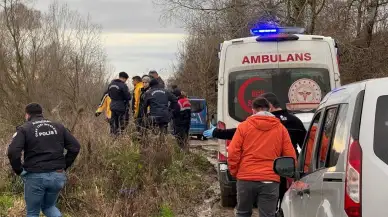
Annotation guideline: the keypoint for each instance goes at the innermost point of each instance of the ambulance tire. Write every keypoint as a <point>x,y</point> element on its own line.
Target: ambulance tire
<point>227,199</point>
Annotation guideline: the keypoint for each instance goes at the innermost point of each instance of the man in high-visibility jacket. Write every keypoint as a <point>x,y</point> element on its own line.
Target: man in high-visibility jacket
<point>104,106</point>
<point>138,84</point>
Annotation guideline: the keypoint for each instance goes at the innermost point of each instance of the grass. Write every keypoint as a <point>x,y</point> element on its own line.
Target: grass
<point>121,177</point>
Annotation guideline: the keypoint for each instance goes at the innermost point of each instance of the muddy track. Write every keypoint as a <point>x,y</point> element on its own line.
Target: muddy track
<point>211,206</point>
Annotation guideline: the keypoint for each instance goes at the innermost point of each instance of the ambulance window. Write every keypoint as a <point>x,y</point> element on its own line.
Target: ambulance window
<point>291,85</point>
<point>197,106</point>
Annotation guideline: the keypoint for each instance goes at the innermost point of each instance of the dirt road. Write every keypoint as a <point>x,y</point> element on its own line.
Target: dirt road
<point>211,206</point>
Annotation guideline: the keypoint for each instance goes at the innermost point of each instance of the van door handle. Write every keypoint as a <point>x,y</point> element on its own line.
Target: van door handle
<point>303,192</point>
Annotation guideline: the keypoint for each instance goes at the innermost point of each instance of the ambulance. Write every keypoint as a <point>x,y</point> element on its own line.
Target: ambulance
<point>300,69</point>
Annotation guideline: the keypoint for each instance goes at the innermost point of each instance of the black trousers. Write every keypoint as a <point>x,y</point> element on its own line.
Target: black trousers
<point>182,135</point>
<point>117,122</point>
<point>265,194</point>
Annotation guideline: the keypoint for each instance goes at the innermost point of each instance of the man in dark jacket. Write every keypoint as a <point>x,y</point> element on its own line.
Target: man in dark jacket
<point>43,170</point>
<point>182,119</point>
<point>141,119</point>
<point>158,99</point>
<point>293,124</point>
<point>120,96</point>
<point>156,76</point>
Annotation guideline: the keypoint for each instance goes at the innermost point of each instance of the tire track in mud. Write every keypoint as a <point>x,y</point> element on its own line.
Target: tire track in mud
<point>211,206</point>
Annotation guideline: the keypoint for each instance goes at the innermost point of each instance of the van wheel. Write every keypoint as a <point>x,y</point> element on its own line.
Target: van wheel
<point>227,199</point>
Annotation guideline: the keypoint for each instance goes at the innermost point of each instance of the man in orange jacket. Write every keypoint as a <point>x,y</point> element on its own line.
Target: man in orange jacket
<point>258,141</point>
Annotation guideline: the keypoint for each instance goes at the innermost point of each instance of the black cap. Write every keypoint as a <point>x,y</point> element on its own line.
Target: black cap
<point>177,92</point>
<point>34,109</point>
<point>272,98</point>
<point>123,75</point>
<point>260,103</point>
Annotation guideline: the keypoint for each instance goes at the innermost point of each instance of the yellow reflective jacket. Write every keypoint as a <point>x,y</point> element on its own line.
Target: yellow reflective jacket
<point>136,98</point>
<point>105,106</point>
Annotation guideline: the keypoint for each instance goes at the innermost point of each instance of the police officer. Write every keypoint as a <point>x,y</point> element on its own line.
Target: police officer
<point>120,96</point>
<point>182,119</point>
<point>159,99</point>
<point>43,170</point>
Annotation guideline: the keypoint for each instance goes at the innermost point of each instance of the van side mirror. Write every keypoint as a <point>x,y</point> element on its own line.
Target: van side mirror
<point>284,167</point>
<point>216,85</point>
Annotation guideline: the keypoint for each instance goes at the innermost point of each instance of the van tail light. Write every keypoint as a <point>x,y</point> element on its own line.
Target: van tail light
<point>222,157</point>
<point>353,180</point>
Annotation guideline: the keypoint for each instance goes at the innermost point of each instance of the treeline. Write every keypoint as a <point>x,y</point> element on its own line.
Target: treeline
<point>53,57</point>
<point>359,26</point>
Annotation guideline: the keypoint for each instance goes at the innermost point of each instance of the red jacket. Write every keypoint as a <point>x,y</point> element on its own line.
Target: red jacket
<point>257,142</point>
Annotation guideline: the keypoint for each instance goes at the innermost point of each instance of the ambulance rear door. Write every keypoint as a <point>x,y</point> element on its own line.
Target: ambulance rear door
<point>248,65</point>
<point>307,66</point>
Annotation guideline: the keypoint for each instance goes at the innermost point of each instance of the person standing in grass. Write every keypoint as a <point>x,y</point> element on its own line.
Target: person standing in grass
<point>120,97</point>
<point>182,119</point>
<point>43,171</point>
<point>138,85</point>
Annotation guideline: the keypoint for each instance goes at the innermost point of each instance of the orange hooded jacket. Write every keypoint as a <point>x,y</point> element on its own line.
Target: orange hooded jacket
<point>257,142</point>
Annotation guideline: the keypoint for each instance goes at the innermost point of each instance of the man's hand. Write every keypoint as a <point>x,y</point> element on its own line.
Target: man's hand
<point>97,114</point>
<point>209,133</point>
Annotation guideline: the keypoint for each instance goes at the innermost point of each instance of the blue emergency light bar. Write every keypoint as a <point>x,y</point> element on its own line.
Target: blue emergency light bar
<point>276,30</point>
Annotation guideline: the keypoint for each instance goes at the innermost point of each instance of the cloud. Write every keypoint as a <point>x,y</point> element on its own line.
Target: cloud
<point>141,39</point>
<point>139,16</point>
<point>133,36</point>
<point>137,53</point>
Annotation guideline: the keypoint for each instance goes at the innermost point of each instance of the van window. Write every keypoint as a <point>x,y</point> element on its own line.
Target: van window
<point>197,106</point>
<point>289,84</point>
<point>380,146</point>
<point>309,143</point>
<point>341,136</point>
<point>326,135</point>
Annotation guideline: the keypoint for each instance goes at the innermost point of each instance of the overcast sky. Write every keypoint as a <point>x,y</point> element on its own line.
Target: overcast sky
<point>135,39</point>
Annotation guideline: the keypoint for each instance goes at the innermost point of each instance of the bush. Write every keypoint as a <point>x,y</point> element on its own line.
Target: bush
<point>126,176</point>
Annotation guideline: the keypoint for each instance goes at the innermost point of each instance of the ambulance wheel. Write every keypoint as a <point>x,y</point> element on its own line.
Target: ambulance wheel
<point>227,199</point>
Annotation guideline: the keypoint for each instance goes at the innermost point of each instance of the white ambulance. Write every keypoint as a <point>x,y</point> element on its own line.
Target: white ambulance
<point>300,69</point>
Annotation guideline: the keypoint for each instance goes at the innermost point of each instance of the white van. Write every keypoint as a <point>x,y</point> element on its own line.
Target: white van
<point>343,166</point>
<point>299,69</point>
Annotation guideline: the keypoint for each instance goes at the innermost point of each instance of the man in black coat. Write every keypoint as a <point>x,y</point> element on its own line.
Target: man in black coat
<point>120,96</point>
<point>182,119</point>
<point>43,169</point>
<point>156,76</point>
<point>160,102</point>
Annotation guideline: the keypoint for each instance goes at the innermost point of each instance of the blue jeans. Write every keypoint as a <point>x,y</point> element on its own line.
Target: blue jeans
<point>41,191</point>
